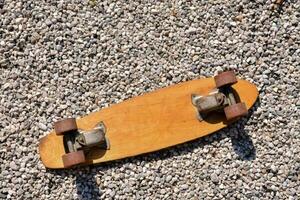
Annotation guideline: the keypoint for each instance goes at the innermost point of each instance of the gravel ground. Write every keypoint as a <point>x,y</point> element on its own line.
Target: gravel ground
<point>69,58</point>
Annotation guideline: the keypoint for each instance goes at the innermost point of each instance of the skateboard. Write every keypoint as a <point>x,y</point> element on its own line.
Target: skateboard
<point>150,122</point>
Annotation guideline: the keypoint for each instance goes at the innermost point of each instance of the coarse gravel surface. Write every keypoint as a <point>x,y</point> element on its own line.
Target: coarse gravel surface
<point>68,58</point>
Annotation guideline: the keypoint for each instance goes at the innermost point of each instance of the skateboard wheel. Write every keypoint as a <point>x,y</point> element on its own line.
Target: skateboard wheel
<point>235,111</point>
<point>63,126</point>
<point>73,158</point>
<point>225,78</point>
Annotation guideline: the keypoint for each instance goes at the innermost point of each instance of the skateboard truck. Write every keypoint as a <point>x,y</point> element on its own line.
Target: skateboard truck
<point>88,139</point>
<point>78,142</point>
<point>220,99</point>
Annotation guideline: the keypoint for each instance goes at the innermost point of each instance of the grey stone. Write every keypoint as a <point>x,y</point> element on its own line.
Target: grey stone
<point>42,126</point>
<point>13,165</point>
<point>214,178</point>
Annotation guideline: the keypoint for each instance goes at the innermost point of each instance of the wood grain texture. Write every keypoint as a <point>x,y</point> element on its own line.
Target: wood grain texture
<point>149,122</point>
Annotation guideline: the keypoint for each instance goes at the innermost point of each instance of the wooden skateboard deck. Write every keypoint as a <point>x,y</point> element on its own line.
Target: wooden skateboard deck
<point>149,122</point>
